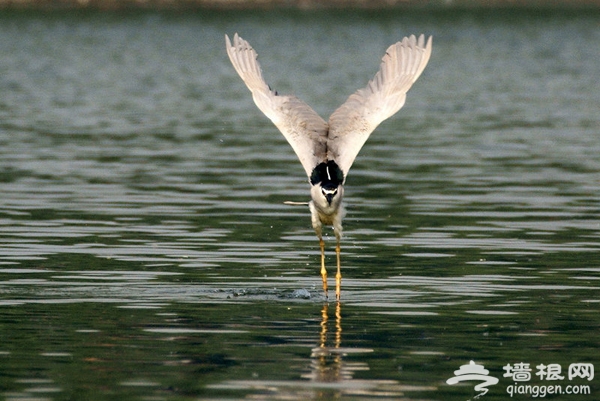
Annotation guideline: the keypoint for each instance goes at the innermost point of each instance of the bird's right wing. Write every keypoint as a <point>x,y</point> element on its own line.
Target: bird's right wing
<point>303,128</point>
<point>352,123</point>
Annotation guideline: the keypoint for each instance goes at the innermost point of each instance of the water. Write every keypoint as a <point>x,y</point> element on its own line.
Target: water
<point>146,253</point>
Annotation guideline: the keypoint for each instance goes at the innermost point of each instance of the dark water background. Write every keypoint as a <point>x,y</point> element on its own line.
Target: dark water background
<point>146,253</point>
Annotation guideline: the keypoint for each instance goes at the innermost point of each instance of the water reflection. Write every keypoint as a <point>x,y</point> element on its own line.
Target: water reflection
<point>327,363</point>
<point>331,373</point>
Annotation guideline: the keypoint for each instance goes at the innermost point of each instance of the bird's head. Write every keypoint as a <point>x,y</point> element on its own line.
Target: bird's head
<point>329,192</point>
<point>327,187</point>
<point>327,197</point>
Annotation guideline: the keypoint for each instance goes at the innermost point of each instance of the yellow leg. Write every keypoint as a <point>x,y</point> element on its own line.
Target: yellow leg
<point>338,276</point>
<point>323,270</point>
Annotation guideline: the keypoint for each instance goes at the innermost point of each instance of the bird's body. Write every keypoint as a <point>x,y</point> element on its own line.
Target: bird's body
<point>328,149</point>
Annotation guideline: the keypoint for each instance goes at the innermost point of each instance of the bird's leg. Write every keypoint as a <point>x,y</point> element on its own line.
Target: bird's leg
<point>323,270</point>
<point>338,276</point>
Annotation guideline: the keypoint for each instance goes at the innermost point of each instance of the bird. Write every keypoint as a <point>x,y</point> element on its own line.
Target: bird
<point>327,149</point>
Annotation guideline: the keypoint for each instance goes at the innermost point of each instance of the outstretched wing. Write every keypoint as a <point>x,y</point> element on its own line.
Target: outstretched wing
<point>303,128</point>
<point>352,123</point>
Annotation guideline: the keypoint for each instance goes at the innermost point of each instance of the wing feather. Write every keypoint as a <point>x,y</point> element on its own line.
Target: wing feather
<point>303,128</point>
<point>352,123</point>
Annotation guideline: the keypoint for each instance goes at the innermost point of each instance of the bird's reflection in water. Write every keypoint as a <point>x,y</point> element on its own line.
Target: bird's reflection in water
<point>326,360</point>
<point>330,374</point>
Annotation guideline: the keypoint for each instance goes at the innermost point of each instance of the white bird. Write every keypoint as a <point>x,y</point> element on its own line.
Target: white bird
<point>328,149</point>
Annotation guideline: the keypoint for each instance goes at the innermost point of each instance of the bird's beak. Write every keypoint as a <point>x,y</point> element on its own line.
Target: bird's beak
<point>329,194</point>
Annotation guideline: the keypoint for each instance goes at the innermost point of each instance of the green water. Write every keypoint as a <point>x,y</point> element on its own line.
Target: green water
<point>146,253</point>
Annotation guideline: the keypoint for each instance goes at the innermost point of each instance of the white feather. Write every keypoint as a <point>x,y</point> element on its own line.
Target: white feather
<point>353,122</point>
<point>349,127</point>
<point>303,128</point>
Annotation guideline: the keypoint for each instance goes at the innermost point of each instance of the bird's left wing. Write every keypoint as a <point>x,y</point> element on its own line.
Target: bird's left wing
<point>352,123</point>
<point>303,128</point>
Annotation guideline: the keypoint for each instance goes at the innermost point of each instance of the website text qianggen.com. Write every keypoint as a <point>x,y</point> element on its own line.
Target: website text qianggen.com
<point>544,390</point>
